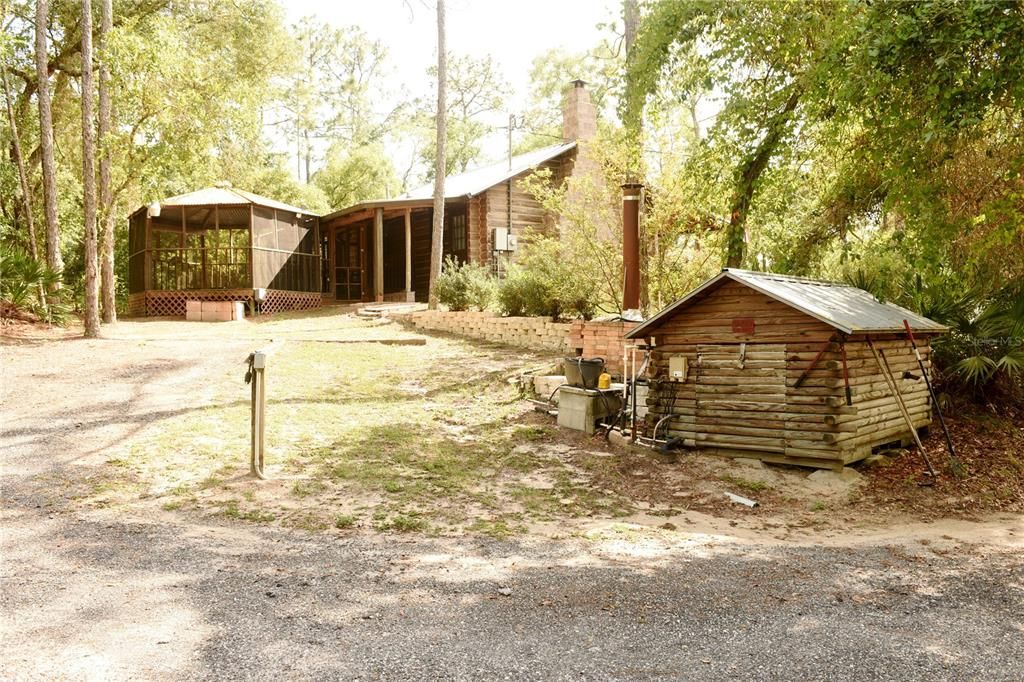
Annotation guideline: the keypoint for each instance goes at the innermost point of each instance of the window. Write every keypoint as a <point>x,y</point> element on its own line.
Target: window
<point>455,235</point>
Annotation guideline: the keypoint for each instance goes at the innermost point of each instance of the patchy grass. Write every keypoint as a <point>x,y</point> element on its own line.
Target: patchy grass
<point>231,510</point>
<point>497,528</point>
<point>745,484</point>
<point>344,521</point>
<point>420,438</point>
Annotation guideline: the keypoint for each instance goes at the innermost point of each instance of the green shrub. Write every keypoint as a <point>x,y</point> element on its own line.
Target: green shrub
<point>986,340</point>
<point>345,521</point>
<point>985,343</point>
<point>548,283</point>
<point>525,292</point>
<point>23,282</point>
<point>465,285</point>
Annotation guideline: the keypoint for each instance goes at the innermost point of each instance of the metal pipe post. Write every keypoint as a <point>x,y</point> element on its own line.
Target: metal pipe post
<point>631,245</point>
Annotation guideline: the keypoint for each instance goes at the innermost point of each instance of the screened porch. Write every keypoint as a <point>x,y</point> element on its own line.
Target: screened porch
<point>223,251</point>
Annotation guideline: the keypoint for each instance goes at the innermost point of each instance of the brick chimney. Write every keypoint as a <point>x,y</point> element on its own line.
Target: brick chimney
<point>579,116</point>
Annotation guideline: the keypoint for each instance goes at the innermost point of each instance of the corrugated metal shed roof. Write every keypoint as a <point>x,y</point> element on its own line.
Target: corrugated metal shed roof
<point>847,308</point>
<point>228,196</point>
<point>467,184</point>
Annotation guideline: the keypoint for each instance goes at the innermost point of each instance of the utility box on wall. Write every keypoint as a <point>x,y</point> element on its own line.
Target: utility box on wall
<point>504,240</point>
<point>500,239</point>
<point>677,367</point>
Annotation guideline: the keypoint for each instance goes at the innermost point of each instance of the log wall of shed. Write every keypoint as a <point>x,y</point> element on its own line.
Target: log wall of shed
<point>740,396</point>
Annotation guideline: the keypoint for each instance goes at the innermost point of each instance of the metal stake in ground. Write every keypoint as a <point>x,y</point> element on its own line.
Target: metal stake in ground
<point>256,377</point>
<point>954,462</point>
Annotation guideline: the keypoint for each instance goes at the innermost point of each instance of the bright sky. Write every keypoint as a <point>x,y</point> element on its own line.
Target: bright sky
<point>513,32</point>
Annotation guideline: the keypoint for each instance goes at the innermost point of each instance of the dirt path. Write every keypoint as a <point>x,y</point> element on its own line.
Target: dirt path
<point>139,593</point>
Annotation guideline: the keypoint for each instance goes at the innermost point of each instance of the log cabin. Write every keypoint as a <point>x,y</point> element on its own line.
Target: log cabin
<point>784,369</point>
<point>379,250</point>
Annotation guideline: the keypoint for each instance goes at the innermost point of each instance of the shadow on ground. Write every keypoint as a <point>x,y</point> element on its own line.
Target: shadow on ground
<point>227,602</point>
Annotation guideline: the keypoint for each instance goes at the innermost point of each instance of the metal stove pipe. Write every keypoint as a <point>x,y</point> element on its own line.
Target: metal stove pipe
<point>631,246</point>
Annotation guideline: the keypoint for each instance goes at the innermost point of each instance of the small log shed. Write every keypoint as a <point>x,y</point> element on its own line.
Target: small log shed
<point>750,364</point>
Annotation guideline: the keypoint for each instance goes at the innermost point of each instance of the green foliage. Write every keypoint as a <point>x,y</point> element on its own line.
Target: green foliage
<point>550,75</point>
<point>476,89</point>
<point>985,344</point>
<point>276,182</point>
<point>523,292</point>
<point>545,283</point>
<point>344,521</point>
<point>904,129</point>
<point>461,286</point>
<point>354,174</point>
<point>333,91</point>
<point>23,282</point>
<point>987,347</point>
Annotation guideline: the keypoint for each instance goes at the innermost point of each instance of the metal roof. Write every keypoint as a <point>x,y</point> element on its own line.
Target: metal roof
<point>228,196</point>
<point>469,183</point>
<point>844,307</point>
<point>478,180</point>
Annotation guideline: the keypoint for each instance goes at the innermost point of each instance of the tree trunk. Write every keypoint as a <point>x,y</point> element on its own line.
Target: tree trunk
<point>26,196</point>
<point>108,287</point>
<point>632,123</point>
<point>747,176</point>
<point>19,161</point>
<point>437,234</point>
<point>630,20</point>
<point>307,150</point>
<point>92,308</point>
<point>49,168</point>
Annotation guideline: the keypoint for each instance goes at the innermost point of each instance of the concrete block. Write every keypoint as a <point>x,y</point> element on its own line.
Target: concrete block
<point>580,409</point>
<point>216,316</point>
<point>238,310</point>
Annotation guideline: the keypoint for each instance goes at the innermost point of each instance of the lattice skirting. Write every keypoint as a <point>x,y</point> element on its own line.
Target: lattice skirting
<point>278,301</point>
<point>172,303</point>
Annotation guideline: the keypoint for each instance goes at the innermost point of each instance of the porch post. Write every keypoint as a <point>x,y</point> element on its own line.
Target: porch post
<point>408,254</point>
<point>378,255</point>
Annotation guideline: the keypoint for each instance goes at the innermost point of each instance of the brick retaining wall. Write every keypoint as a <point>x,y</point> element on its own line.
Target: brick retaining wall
<point>590,339</point>
<point>537,333</point>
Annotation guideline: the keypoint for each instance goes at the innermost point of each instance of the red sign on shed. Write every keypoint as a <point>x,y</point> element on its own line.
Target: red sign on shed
<point>743,325</point>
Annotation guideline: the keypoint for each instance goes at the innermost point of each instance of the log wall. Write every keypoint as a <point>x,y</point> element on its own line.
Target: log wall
<point>527,212</point>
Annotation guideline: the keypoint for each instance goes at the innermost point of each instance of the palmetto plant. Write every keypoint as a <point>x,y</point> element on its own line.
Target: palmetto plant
<point>986,339</point>
<point>24,281</point>
<point>998,333</point>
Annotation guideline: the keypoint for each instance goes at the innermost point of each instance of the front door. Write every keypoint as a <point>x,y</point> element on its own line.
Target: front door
<point>348,264</point>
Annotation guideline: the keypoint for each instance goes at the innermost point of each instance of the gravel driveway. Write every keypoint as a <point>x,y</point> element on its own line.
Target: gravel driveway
<point>104,594</point>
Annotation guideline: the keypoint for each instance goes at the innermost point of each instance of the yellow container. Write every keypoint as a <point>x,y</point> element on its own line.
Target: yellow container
<point>604,381</point>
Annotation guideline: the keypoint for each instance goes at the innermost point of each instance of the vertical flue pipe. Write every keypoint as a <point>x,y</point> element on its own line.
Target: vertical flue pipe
<point>631,245</point>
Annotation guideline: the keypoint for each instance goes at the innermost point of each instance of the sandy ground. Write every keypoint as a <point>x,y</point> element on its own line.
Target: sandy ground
<point>92,593</point>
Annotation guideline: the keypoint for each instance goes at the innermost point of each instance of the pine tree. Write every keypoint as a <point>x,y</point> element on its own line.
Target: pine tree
<point>437,235</point>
